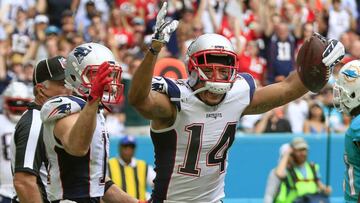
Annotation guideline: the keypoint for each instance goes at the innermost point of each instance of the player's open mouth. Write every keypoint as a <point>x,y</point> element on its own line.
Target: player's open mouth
<point>213,95</point>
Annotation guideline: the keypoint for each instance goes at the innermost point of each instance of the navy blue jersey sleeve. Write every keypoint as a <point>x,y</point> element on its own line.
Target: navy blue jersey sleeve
<point>251,82</point>
<point>168,87</point>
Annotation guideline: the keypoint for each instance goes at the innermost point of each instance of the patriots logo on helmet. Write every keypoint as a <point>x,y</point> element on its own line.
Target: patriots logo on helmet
<point>81,52</point>
<point>62,109</point>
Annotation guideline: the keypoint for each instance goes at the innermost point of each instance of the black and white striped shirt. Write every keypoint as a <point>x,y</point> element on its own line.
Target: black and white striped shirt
<point>28,150</point>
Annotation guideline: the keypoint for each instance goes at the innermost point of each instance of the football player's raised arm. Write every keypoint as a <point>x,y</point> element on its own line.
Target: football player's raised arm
<point>291,88</point>
<point>151,104</point>
<point>140,87</point>
<point>278,94</point>
<point>76,130</point>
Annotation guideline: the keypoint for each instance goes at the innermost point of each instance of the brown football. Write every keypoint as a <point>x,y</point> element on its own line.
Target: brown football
<point>313,73</point>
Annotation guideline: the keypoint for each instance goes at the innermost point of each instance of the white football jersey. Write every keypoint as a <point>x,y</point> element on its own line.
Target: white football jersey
<point>191,155</point>
<point>74,177</point>
<point>7,130</point>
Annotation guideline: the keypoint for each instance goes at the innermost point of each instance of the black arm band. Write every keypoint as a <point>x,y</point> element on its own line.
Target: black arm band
<point>108,184</point>
<point>153,51</point>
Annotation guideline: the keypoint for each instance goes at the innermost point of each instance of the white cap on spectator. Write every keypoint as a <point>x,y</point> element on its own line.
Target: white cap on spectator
<point>41,19</point>
<point>283,148</point>
<point>299,143</point>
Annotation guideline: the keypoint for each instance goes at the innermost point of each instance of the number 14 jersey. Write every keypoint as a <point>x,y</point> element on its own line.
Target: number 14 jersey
<point>191,155</point>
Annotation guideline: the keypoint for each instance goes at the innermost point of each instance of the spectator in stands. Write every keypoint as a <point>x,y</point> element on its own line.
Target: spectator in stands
<point>315,122</point>
<point>251,62</point>
<point>86,8</point>
<point>184,31</point>
<point>332,116</point>
<point>28,74</point>
<point>135,124</point>
<point>20,33</point>
<point>354,52</point>
<point>296,113</point>
<point>280,53</point>
<point>95,31</point>
<point>305,32</point>
<point>345,40</point>
<point>9,10</point>
<point>339,20</point>
<point>197,30</point>
<point>53,9</point>
<point>131,174</point>
<point>68,25</point>
<point>47,47</point>
<point>273,121</point>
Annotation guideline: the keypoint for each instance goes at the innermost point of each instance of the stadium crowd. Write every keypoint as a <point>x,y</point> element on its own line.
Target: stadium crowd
<point>266,35</point>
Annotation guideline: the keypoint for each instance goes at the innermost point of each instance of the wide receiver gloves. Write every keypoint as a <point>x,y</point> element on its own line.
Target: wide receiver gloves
<point>100,81</point>
<point>333,53</point>
<point>163,29</point>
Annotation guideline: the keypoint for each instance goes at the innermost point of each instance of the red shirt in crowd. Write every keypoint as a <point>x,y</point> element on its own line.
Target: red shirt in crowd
<point>122,37</point>
<point>255,66</point>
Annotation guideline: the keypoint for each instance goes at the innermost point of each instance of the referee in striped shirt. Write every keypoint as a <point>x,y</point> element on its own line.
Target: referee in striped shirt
<point>28,150</point>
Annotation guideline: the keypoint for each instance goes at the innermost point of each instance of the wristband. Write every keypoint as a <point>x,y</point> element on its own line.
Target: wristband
<point>108,184</point>
<point>153,51</point>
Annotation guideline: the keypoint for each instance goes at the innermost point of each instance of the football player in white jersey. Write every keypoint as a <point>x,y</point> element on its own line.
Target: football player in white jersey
<point>27,148</point>
<point>194,120</point>
<point>76,140</point>
<point>16,97</point>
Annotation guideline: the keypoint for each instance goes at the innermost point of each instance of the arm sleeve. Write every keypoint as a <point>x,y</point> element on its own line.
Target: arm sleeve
<point>29,148</point>
<point>272,186</point>
<point>167,86</point>
<point>251,82</point>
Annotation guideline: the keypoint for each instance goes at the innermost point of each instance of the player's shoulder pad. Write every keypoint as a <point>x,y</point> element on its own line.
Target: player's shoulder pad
<point>59,107</point>
<point>250,81</point>
<point>169,87</point>
<point>355,124</point>
<point>166,85</point>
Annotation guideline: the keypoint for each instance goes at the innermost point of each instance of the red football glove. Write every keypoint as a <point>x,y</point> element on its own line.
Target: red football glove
<point>99,83</point>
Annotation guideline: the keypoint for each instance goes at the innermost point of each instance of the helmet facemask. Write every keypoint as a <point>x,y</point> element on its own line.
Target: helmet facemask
<point>82,65</point>
<point>15,107</point>
<point>208,64</point>
<point>112,92</point>
<point>339,94</point>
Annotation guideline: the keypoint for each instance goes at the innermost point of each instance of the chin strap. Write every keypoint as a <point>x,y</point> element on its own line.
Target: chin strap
<point>106,107</point>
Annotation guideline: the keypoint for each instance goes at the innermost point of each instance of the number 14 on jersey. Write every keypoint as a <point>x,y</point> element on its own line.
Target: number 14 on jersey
<point>215,157</point>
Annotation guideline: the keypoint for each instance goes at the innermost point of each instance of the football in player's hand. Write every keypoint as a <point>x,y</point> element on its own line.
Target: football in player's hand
<point>313,73</point>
